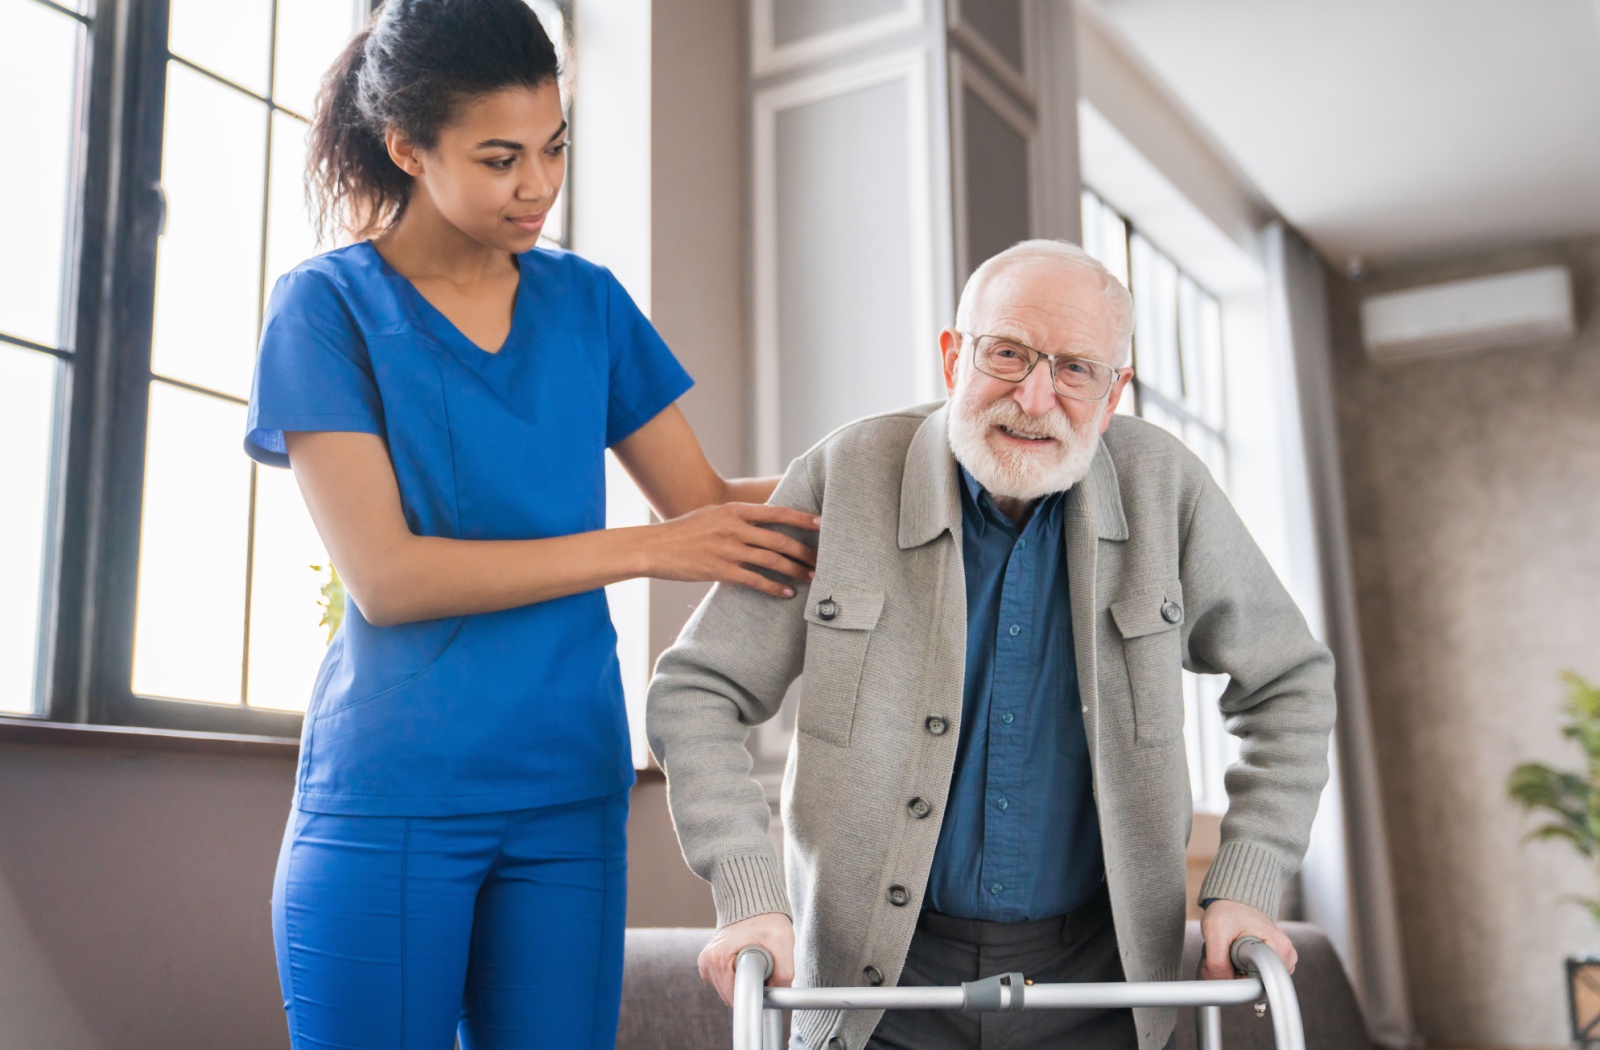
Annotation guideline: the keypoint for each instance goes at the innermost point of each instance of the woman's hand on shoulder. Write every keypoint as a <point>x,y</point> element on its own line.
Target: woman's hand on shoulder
<point>729,542</point>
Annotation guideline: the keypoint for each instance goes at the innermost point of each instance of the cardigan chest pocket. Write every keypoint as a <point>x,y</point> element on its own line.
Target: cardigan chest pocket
<point>1152,644</point>
<point>839,628</point>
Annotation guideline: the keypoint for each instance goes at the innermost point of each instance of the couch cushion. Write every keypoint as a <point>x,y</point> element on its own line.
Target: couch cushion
<point>665,1005</point>
<point>1328,1006</point>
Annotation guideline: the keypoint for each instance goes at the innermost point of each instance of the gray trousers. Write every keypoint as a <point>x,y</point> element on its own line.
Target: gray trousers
<point>1078,946</point>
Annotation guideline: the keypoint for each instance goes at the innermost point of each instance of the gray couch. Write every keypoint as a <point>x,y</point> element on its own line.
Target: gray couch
<point>666,1007</point>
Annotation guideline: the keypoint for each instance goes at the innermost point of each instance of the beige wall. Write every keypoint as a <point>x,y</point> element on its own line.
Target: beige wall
<point>1474,500</point>
<point>699,247</point>
<point>134,895</point>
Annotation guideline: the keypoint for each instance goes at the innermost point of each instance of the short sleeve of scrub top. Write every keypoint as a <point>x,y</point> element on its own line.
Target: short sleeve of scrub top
<point>493,711</point>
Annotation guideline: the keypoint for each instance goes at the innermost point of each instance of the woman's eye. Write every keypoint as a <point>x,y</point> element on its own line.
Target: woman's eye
<point>558,149</point>
<point>501,163</point>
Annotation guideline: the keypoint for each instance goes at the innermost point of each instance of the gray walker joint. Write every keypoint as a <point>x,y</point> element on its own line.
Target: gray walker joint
<point>1003,991</point>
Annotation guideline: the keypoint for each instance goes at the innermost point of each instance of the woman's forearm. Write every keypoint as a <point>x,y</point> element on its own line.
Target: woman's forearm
<point>428,578</point>
<point>750,490</point>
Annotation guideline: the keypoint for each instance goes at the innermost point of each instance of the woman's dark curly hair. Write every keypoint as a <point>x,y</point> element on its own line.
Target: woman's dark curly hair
<point>410,70</point>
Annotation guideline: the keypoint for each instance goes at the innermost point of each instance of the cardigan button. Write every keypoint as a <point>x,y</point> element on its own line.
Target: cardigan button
<point>898,896</point>
<point>1171,612</point>
<point>874,976</point>
<point>827,608</point>
<point>836,1043</point>
<point>919,807</point>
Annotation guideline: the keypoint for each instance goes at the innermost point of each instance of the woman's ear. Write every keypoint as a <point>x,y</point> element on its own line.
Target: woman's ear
<point>407,156</point>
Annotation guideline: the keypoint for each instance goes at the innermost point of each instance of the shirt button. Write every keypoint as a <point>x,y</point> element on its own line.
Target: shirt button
<point>1008,718</point>
<point>898,896</point>
<point>1022,545</point>
<point>1171,612</point>
<point>1014,630</point>
<point>996,889</point>
<point>827,609</point>
<point>937,725</point>
<point>873,975</point>
<point>1003,802</point>
<point>919,807</point>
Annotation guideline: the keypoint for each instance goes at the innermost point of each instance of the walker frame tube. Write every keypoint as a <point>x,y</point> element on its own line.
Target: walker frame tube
<point>758,1010</point>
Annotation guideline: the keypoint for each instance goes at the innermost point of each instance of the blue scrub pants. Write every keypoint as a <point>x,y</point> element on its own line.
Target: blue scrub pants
<point>402,932</point>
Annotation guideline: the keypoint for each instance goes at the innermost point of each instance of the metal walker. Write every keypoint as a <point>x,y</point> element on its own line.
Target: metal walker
<point>758,1010</point>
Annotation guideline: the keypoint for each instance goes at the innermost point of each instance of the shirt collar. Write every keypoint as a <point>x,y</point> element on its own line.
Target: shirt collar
<point>978,501</point>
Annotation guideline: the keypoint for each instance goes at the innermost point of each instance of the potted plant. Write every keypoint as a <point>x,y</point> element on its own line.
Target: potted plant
<point>1572,802</point>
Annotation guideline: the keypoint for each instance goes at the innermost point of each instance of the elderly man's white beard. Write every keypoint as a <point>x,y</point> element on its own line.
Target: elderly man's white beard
<point>1019,473</point>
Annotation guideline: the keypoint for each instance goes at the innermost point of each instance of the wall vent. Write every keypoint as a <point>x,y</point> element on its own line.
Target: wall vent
<point>1527,306</point>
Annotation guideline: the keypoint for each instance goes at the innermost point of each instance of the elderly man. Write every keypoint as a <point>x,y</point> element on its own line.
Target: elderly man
<point>988,773</point>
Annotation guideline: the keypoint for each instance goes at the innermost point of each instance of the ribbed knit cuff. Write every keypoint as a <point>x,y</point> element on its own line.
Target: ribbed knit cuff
<point>746,886</point>
<point>1245,873</point>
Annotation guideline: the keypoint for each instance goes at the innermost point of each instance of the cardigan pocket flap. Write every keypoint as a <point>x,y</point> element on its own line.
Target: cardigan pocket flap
<point>1149,611</point>
<point>843,609</point>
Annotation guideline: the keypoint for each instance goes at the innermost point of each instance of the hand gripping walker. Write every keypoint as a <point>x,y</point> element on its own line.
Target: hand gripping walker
<point>758,1010</point>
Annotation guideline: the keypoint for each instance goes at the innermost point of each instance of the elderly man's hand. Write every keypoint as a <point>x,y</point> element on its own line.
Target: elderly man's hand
<point>1225,922</point>
<point>771,930</point>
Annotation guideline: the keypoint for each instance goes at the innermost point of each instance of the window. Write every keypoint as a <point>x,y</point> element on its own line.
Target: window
<point>227,593</point>
<point>42,75</point>
<point>153,575</point>
<point>1178,385</point>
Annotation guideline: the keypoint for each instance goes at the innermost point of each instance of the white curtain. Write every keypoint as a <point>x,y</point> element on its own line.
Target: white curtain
<point>1347,880</point>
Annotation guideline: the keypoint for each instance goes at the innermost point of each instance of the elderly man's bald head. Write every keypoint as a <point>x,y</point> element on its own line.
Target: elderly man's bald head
<point>1080,273</point>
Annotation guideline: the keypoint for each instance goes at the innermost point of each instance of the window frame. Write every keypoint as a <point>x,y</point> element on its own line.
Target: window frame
<point>89,588</point>
<point>1214,748</point>
<point>90,584</point>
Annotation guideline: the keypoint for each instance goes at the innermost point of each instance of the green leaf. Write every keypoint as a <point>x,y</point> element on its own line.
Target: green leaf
<point>1571,797</point>
<point>332,602</point>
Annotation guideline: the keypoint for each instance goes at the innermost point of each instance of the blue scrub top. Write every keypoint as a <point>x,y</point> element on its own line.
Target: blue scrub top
<point>495,711</point>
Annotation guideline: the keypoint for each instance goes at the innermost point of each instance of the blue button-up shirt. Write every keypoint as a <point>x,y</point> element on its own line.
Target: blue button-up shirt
<point>1021,837</point>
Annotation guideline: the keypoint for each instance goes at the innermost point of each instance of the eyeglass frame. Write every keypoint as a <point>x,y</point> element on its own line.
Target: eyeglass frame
<point>1039,355</point>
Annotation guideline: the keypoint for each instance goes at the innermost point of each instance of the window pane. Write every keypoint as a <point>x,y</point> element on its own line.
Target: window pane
<point>290,238</point>
<point>38,77</point>
<point>189,630</point>
<point>27,403</point>
<point>311,33</point>
<point>1155,308</point>
<point>286,641</point>
<point>208,268</point>
<point>1214,408</point>
<point>229,37</point>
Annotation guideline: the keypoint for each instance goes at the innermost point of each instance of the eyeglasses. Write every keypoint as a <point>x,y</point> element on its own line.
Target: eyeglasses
<point>1072,376</point>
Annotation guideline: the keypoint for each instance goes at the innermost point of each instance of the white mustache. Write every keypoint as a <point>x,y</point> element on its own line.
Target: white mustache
<point>1007,413</point>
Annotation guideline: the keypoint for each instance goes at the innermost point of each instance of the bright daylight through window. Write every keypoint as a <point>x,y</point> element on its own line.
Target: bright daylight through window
<point>1178,385</point>
<point>41,63</point>
<point>209,582</point>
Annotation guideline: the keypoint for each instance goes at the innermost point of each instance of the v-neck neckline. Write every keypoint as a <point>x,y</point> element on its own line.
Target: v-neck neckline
<point>445,331</point>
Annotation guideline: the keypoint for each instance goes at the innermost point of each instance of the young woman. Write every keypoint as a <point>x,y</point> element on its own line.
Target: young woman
<point>445,393</point>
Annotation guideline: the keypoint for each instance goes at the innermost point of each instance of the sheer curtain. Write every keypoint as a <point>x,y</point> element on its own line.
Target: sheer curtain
<point>1347,880</point>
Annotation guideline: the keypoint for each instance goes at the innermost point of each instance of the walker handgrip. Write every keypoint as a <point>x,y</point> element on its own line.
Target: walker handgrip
<point>758,950</point>
<point>1253,955</point>
<point>1236,951</point>
<point>751,968</point>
